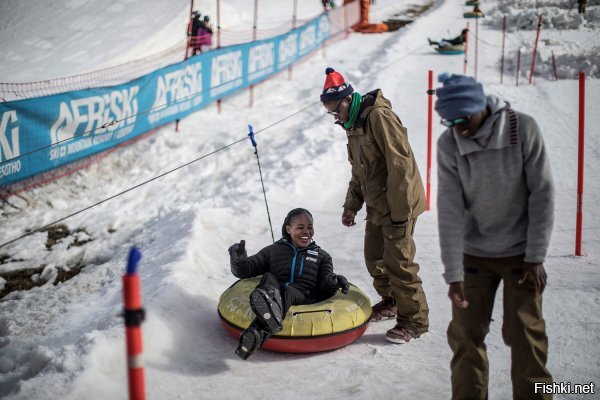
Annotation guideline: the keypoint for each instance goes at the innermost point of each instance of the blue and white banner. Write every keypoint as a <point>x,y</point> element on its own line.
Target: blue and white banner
<point>39,134</point>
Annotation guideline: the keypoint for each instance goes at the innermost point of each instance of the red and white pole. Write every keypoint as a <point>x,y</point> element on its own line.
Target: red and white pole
<point>537,37</point>
<point>134,316</point>
<point>430,93</point>
<point>578,230</point>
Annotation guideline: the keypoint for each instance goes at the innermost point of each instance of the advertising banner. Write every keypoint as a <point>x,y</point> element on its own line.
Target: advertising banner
<point>39,134</point>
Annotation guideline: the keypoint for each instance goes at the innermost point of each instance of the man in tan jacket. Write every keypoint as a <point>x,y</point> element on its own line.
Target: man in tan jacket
<point>385,177</point>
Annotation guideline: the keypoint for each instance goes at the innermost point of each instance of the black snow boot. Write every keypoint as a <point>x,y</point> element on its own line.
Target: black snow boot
<point>268,307</point>
<point>251,340</point>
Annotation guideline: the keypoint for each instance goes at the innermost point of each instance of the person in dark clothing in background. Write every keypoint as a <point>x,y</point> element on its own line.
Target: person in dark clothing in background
<point>294,271</point>
<point>460,39</point>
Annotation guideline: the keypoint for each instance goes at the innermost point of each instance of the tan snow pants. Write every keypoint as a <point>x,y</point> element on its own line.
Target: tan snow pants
<point>523,330</point>
<point>389,254</point>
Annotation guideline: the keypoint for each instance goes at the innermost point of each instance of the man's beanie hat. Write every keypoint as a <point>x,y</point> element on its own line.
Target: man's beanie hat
<point>335,86</point>
<point>461,96</point>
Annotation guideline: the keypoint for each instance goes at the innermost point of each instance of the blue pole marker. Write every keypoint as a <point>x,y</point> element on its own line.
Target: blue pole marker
<point>134,258</point>
<point>251,136</point>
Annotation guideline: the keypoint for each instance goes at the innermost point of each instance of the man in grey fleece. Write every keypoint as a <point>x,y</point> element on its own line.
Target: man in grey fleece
<point>495,213</point>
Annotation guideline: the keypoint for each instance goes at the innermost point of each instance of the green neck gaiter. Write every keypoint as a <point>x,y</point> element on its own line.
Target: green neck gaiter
<point>354,109</point>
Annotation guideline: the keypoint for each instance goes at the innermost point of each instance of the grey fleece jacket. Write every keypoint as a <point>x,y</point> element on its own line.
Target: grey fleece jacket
<point>495,199</point>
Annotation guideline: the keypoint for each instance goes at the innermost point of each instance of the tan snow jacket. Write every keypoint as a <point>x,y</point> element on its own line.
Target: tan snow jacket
<point>385,175</point>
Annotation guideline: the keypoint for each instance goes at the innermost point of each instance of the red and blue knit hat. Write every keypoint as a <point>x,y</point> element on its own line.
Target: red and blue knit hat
<point>335,86</point>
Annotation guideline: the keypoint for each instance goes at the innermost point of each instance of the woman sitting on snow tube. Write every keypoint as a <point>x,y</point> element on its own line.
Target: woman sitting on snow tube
<point>294,271</point>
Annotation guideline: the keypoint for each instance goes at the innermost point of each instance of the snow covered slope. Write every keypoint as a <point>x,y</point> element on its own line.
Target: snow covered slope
<point>66,341</point>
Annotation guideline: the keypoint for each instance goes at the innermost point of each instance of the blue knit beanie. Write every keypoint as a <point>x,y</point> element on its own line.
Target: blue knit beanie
<point>461,96</point>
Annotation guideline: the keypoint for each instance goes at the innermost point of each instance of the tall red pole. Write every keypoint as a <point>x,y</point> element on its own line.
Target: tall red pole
<point>134,316</point>
<point>537,37</point>
<point>578,233</point>
<point>502,56</point>
<point>430,93</point>
<point>466,50</point>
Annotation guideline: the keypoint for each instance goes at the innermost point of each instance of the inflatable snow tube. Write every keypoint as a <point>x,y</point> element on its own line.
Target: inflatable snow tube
<point>471,14</point>
<point>326,325</point>
<point>449,50</point>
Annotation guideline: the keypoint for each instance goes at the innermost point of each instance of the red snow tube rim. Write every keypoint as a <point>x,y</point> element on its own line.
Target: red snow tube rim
<point>303,344</point>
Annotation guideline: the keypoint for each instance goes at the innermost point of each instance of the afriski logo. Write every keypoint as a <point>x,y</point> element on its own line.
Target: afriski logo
<point>95,114</point>
<point>226,72</point>
<point>288,49</point>
<point>178,85</point>
<point>9,144</point>
<point>261,60</point>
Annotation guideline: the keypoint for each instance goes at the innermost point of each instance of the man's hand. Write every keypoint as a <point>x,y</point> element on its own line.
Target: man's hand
<point>348,217</point>
<point>534,275</point>
<point>456,293</point>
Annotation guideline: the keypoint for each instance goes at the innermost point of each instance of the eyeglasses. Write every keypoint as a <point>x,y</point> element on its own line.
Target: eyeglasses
<point>455,122</point>
<point>337,109</point>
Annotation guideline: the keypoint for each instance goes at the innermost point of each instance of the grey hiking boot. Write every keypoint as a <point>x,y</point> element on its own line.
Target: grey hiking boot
<point>385,309</point>
<point>401,334</point>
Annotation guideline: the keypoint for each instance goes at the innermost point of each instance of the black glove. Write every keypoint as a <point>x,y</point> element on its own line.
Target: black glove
<point>343,284</point>
<point>237,252</point>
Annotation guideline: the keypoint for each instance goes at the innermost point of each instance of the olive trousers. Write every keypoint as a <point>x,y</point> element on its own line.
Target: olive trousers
<point>523,330</point>
<point>389,256</point>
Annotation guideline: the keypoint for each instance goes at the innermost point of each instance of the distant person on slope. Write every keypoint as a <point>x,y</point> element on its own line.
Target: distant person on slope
<point>204,34</point>
<point>294,271</point>
<point>196,23</point>
<point>495,215</point>
<point>386,179</point>
<point>460,39</point>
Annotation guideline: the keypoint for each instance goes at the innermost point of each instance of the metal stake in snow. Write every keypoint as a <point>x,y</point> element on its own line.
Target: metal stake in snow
<point>134,316</point>
<point>251,136</point>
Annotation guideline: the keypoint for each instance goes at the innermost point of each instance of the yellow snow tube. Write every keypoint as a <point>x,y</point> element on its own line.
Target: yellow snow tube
<point>308,328</point>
